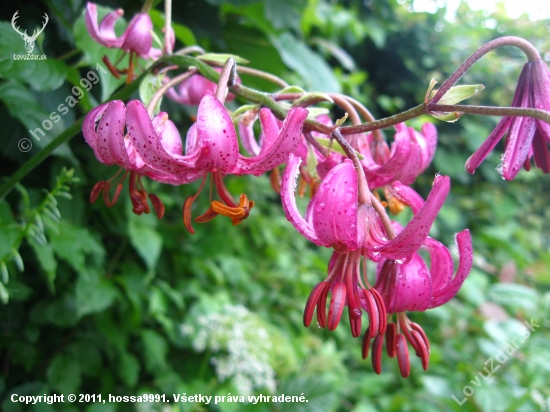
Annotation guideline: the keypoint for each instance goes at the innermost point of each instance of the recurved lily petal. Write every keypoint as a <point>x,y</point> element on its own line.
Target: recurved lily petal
<point>414,234</point>
<point>441,264</point>
<point>278,143</point>
<point>137,37</point>
<point>103,34</point>
<point>288,185</point>
<point>90,123</point>
<point>428,143</point>
<point>465,250</point>
<point>103,129</point>
<point>488,145</point>
<point>520,136</point>
<point>407,287</point>
<point>216,136</point>
<point>149,145</point>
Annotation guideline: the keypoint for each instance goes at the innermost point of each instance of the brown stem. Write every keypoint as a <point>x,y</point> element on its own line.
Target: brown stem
<point>227,79</point>
<point>386,122</point>
<point>493,111</point>
<point>363,193</point>
<point>386,221</point>
<point>526,47</point>
<point>311,140</point>
<point>262,75</point>
<point>165,87</point>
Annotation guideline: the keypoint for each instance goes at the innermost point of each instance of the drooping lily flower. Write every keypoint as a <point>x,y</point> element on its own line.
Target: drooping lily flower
<point>136,39</point>
<point>104,129</point>
<point>212,149</point>
<point>526,136</point>
<point>333,220</point>
<point>412,286</point>
<point>411,153</point>
<point>191,90</point>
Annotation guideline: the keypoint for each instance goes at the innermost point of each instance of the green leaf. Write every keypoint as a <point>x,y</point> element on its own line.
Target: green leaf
<point>41,75</point>
<point>183,33</point>
<point>148,87</point>
<point>284,14</point>
<point>458,93</point>
<point>93,293</point>
<point>22,105</point>
<point>146,241</point>
<point>74,243</point>
<point>129,369</point>
<point>219,58</point>
<point>45,256</point>
<point>514,295</point>
<point>155,349</point>
<point>312,98</point>
<point>64,374</point>
<point>335,146</point>
<point>314,70</point>
<point>319,394</point>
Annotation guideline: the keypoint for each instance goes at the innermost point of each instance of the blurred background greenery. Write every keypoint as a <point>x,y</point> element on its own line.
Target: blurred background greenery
<point>100,301</point>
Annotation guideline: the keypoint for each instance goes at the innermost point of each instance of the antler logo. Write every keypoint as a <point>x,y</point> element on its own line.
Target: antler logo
<point>29,40</point>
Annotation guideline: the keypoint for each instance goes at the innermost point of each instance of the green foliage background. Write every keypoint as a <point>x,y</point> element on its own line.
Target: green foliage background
<point>100,301</point>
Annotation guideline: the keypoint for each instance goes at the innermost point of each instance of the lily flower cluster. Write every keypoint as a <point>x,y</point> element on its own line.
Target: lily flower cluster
<point>349,193</point>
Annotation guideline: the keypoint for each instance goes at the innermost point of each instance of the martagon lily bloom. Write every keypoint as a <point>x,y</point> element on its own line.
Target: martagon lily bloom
<point>191,90</point>
<point>527,137</point>
<point>136,39</point>
<point>334,218</point>
<point>212,148</point>
<point>412,286</point>
<point>105,130</point>
<point>411,153</point>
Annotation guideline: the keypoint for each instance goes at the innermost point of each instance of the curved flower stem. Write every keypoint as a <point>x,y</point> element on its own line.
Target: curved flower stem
<point>311,140</point>
<point>367,115</point>
<point>168,26</point>
<point>189,50</point>
<point>147,6</point>
<point>262,75</point>
<point>387,121</point>
<point>364,195</point>
<point>165,87</point>
<point>227,79</point>
<point>386,221</point>
<point>493,111</point>
<point>526,47</point>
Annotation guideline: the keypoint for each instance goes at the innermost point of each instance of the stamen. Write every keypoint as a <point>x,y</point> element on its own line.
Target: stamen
<point>336,307</point>
<point>374,316</point>
<point>313,300</point>
<point>157,205</point>
<point>365,346</point>
<point>391,333</point>
<point>94,194</point>
<point>402,351</point>
<point>187,214</point>
<point>377,353</point>
<point>322,306</point>
<point>275,180</point>
<point>114,71</point>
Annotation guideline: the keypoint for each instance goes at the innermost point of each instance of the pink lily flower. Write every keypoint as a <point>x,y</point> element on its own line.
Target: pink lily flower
<point>335,219</point>
<point>191,90</point>
<point>104,129</point>
<point>136,39</point>
<point>526,136</point>
<point>412,286</point>
<point>212,148</point>
<point>411,153</point>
